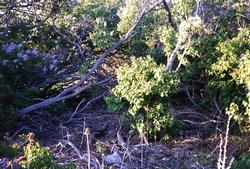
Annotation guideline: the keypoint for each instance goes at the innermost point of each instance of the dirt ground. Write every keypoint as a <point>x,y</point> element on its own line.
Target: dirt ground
<point>69,141</point>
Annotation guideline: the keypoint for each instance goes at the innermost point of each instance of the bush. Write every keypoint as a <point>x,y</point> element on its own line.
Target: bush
<point>143,91</point>
<point>38,157</point>
<point>243,162</point>
<point>24,72</point>
<point>231,77</point>
<point>5,150</point>
<point>19,72</point>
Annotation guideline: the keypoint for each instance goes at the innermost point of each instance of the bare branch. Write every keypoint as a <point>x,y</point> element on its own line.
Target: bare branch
<point>172,57</point>
<point>77,45</point>
<point>170,20</point>
<point>50,101</point>
<point>78,152</point>
<point>86,105</point>
<point>85,157</point>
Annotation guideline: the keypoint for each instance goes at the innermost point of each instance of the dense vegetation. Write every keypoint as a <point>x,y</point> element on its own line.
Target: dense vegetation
<point>141,59</point>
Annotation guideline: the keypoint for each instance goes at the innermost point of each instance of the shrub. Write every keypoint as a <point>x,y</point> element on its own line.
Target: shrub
<point>143,91</point>
<point>38,157</point>
<point>231,75</point>
<point>19,71</point>
<point>5,150</point>
<point>243,162</point>
<point>24,75</point>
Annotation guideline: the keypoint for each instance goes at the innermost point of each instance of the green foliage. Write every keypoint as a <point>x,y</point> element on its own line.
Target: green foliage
<point>231,51</point>
<point>38,157</point>
<point>102,37</point>
<point>128,14</point>
<point>168,38</point>
<point>146,41</point>
<point>14,80</point>
<point>243,162</point>
<point>182,9</point>
<point>216,32</point>
<point>231,76</point>
<point>5,150</point>
<point>100,148</point>
<point>114,103</point>
<point>103,15</point>
<point>145,87</point>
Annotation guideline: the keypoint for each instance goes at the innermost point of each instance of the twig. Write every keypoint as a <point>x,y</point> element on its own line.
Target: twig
<point>126,149</point>
<point>77,107</point>
<point>217,106</point>
<point>78,46</point>
<point>95,161</point>
<point>74,148</point>
<point>17,132</point>
<point>87,133</point>
<point>172,57</point>
<point>143,139</point>
<point>83,129</point>
<point>57,99</point>
<point>89,102</point>
<point>189,96</point>
<point>221,164</point>
<point>225,143</point>
<point>92,100</point>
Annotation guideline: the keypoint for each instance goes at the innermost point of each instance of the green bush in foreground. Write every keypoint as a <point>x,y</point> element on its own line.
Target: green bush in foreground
<point>37,157</point>
<point>143,91</point>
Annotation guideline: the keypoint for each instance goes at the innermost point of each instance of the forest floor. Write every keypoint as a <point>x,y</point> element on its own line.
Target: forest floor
<point>113,146</point>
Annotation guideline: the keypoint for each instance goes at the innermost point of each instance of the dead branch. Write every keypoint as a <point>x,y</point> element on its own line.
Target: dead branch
<point>180,43</point>
<point>77,45</point>
<point>94,161</point>
<point>77,107</point>
<point>86,105</point>
<point>48,102</point>
<point>172,57</point>
<point>170,20</point>
<point>74,148</point>
<point>66,93</point>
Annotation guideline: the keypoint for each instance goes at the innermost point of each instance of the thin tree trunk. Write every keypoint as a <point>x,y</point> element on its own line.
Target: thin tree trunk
<point>173,57</point>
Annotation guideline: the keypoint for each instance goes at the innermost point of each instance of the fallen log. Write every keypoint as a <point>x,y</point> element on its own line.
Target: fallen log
<point>72,91</point>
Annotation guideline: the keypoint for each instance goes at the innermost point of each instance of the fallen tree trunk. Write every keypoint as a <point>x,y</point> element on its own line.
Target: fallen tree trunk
<point>67,93</point>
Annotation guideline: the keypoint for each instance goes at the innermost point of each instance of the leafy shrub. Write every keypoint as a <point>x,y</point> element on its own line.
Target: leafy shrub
<point>102,37</point>
<point>24,73</point>
<point>15,75</point>
<point>243,162</point>
<point>182,9</point>
<point>19,72</point>
<point>231,75</point>
<point>5,150</point>
<point>102,14</point>
<point>168,38</point>
<point>38,157</point>
<point>143,90</point>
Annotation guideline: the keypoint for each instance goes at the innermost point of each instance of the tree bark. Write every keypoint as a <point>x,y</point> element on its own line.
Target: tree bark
<point>170,20</point>
<point>173,57</point>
